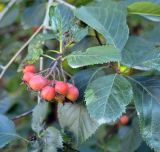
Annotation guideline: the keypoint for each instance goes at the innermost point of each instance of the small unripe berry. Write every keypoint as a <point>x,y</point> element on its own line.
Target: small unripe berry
<point>27,77</point>
<point>29,68</point>
<point>61,87</point>
<point>73,93</point>
<point>124,120</point>
<point>38,82</point>
<point>48,93</point>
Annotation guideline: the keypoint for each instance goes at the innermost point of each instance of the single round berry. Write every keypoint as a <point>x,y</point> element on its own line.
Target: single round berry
<point>27,77</point>
<point>61,87</point>
<point>38,82</point>
<point>29,68</point>
<point>124,120</point>
<point>73,93</point>
<point>48,93</point>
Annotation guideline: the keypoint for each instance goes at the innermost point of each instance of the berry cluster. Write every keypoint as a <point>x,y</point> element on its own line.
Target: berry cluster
<point>49,89</point>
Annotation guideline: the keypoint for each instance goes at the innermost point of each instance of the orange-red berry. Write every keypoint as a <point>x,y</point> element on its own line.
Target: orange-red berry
<point>27,77</point>
<point>124,120</point>
<point>38,82</point>
<point>61,87</point>
<point>29,68</point>
<point>73,93</point>
<point>48,93</point>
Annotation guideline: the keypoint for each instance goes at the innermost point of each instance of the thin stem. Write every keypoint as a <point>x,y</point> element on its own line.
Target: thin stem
<point>54,51</point>
<point>73,82</point>
<point>19,51</point>
<point>61,43</point>
<point>58,73</point>
<point>45,24</point>
<point>62,72</point>
<point>67,4</point>
<point>15,135</point>
<point>22,115</point>
<point>54,66</point>
<point>10,4</point>
<point>47,56</point>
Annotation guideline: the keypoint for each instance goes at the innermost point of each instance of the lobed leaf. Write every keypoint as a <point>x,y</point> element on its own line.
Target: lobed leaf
<point>107,97</point>
<point>141,54</point>
<point>35,49</point>
<point>147,102</point>
<point>94,55</point>
<point>38,116</point>
<point>76,119</point>
<point>108,18</point>
<point>52,140</point>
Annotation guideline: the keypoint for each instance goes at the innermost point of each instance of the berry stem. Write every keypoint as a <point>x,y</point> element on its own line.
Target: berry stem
<point>47,56</point>
<point>54,66</point>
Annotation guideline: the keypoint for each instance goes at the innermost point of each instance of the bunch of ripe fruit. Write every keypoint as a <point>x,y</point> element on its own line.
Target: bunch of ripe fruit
<point>49,89</point>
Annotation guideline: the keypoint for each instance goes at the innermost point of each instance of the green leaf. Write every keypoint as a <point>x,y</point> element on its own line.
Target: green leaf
<point>7,131</point>
<point>144,8</point>
<point>35,47</point>
<point>30,16</point>
<point>108,18</point>
<point>78,33</point>
<point>107,97</point>
<point>94,55</point>
<point>52,140</point>
<point>141,54</point>
<point>130,138</point>
<point>83,77</point>
<point>38,116</point>
<point>147,102</point>
<point>76,119</point>
<point>60,18</point>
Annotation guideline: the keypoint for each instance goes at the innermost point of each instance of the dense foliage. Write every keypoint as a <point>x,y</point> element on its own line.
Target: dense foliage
<point>80,75</point>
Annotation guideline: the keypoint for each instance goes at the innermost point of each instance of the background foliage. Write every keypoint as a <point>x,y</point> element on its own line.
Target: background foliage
<point>112,51</point>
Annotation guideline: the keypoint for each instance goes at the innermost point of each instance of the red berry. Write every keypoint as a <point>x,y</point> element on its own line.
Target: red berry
<point>48,93</point>
<point>73,93</point>
<point>29,68</point>
<point>27,76</point>
<point>52,82</point>
<point>38,82</point>
<point>61,87</point>
<point>124,120</point>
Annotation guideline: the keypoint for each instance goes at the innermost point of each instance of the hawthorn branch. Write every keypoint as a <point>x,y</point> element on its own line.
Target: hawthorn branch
<point>10,4</point>
<point>67,4</point>
<point>18,52</point>
<point>45,24</point>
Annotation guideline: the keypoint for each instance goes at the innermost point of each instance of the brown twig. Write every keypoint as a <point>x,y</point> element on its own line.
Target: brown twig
<point>18,52</point>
